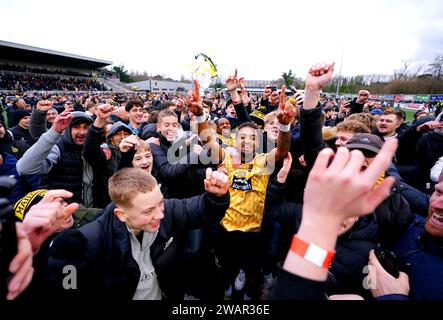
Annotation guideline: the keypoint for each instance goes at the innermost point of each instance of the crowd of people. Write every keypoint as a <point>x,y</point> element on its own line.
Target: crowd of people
<point>22,82</point>
<point>41,70</point>
<point>225,196</point>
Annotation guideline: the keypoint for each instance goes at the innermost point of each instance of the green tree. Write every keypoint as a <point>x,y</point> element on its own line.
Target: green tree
<point>288,78</point>
<point>122,73</point>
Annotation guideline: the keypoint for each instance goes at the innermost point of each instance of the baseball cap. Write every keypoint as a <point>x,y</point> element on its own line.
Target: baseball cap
<point>365,142</point>
<point>376,111</point>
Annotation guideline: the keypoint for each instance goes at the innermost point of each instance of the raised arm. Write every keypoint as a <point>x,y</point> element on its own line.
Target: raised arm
<point>205,131</point>
<point>318,76</point>
<point>310,115</point>
<point>91,148</point>
<point>40,158</point>
<point>345,192</point>
<point>37,126</point>
<point>285,116</point>
<point>240,102</point>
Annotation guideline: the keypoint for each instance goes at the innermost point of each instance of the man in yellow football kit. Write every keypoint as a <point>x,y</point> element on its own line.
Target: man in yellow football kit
<point>238,238</point>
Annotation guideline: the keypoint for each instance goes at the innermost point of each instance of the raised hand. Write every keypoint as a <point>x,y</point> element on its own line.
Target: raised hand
<point>103,111</point>
<point>180,104</point>
<point>345,190</point>
<point>194,100</point>
<point>319,75</point>
<point>44,105</point>
<point>244,93</point>
<point>298,99</point>
<point>344,106</point>
<point>284,171</point>
<point>216,182</point>
<point>232,82</point>
<point>274,97</point>
<point>129,142</point>
<point>430,125</point>
<point>154,140</point>
<point>62,121</point>
<point>267,93</point>
<point>285,111</point>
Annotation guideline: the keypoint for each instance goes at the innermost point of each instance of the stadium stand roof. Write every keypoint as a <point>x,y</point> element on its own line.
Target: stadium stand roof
<point>28,54</point>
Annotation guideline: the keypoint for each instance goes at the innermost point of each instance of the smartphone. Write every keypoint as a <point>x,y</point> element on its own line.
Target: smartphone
<point>388,261</point>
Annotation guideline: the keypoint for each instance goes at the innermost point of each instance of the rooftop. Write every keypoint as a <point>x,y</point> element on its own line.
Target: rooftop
<point>28,54</point>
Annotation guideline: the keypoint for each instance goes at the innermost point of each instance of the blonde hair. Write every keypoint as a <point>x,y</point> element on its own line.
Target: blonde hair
<point>353,126</point>
<point>365,118</point>
<point>270,116</point>
<point>126,183</point>
<point>143,147</point>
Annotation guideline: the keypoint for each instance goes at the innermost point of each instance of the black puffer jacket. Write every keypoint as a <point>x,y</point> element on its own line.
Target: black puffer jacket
<point>178,178</point>
<point>101,251</point>
<point>407,159</point>
<point>22,134</point>
<point>148,130</point>
<point>102,168</point>
<point>67,173</point>
<point>352,252</point>
<point>307,141</point>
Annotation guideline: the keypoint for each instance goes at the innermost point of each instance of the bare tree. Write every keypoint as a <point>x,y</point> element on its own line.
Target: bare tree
<point>402,73</point>
<point>420,69</point>
<point>436,66</point>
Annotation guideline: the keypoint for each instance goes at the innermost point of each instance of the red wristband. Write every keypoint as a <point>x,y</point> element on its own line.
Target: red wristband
<point>312,252</point>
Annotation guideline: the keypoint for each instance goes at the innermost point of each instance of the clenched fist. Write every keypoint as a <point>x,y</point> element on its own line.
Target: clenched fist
<point>216,182</point>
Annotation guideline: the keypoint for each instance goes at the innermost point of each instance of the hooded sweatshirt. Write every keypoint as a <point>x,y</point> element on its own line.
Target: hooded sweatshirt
<point>113,162</point>
<point>48,156</point>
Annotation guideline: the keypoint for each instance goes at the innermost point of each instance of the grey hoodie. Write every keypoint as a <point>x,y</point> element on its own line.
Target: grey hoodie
<point>44,154</point>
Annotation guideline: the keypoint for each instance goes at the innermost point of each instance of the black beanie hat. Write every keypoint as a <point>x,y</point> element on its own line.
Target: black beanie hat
<point>16,115</point>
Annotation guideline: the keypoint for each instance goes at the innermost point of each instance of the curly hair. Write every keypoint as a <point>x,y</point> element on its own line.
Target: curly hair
<point>365,118</point>
<point>353,126</point>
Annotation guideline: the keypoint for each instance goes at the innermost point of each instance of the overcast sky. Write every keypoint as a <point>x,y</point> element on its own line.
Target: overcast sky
<point>261,38</point>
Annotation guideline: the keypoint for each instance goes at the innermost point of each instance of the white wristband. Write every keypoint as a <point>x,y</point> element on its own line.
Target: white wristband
<point>201,119</point>
<point>285,127</point>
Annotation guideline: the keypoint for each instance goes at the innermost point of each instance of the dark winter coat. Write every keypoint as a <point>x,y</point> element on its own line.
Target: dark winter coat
<point>101,250</point>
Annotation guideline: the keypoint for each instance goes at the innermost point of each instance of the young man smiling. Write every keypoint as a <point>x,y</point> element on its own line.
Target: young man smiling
<point>58,154</point>
<point>135,111</point>
<point>238,236</point>
<point>132,250</point>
